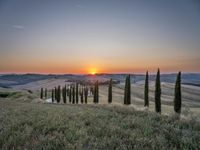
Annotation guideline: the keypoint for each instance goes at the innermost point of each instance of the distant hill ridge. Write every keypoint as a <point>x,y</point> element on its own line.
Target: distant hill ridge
<point>20,79</point>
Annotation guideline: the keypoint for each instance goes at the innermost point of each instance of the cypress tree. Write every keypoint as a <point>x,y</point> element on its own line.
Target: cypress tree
<point>158,93</point>
<point>77,93</point>
<point>70,94</point>
<point>41,93</point>
<point>52,95</point>
<point>73,94</point>
<point>127,91</point>
<point>86,94</point>
<point>177,95</point>
<point>82,95</point>
<point>45,93</point>
<point>146,91</point>
<point>110,92</point>
<point>58,94</point>
<point>64,94</point>
<point>96,92</point>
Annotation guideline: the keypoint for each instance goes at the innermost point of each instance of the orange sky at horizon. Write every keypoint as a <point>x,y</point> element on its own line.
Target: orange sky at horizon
<point>126,66</point>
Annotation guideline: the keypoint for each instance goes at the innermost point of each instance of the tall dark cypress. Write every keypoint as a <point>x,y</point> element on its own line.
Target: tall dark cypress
<point>82,95</point>
<point>41,93</point>
<point>110,92</point>
<point>56,97</point>
<point>70,94</point>
<point>177,94</point>
<point>96,92</point>
<point>58,94</point>
<point>45,93</point>
<point>77,93</point>
<point>73,94</point>
<point>146,90</point>
<point>86,94</point>
<point>52,95</point>
<point>158,93</point>
<point>64,92</point>
<point>129,90</point>
<point>125,91</point>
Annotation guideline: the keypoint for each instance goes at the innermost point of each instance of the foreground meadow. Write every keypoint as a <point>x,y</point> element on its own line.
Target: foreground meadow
<point>28,124</point>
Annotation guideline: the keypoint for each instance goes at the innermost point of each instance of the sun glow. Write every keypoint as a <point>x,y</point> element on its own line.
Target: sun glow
<point>93,71</point>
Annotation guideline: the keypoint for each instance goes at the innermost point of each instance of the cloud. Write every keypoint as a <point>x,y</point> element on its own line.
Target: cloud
<point>17,26</point>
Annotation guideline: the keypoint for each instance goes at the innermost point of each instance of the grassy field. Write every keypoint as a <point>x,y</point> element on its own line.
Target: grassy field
<point>30,125</point>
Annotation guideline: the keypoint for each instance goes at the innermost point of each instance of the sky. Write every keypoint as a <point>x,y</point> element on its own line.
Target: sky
<point>102,36</point>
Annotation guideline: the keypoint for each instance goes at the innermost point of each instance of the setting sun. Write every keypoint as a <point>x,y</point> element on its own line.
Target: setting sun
<point>92,71</point>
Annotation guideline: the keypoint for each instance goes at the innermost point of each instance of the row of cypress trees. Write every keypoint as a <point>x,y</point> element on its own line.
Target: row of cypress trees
<point>177,93</point>
<point>73,93</point>
<point>127,92</point>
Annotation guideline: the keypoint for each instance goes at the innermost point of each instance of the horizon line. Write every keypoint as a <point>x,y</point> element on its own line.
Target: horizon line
<point>36,73</point>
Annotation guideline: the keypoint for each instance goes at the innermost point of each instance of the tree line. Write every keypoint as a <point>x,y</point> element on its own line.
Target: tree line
<point>76,91</point>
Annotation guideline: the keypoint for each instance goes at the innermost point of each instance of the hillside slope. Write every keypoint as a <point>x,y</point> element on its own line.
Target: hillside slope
<point>26,125</point>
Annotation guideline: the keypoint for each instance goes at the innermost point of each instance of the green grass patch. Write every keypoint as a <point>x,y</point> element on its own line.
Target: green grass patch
<point>10,94</point>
